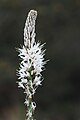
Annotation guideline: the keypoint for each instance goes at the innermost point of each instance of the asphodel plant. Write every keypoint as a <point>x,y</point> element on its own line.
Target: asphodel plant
<point>32,64</point>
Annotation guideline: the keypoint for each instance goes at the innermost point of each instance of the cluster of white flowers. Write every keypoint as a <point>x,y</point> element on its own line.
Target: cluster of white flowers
<point>32,64</point>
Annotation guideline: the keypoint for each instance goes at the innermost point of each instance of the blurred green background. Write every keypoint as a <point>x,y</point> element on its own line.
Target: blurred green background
<point>58,24</point>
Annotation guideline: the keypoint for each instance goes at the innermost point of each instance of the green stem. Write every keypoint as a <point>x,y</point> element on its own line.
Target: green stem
<point>29,108</point>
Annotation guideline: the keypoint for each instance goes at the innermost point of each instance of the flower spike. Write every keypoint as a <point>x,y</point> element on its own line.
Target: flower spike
<point>32,64</point>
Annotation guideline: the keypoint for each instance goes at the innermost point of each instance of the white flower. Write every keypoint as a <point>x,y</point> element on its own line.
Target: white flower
<point>32,63</point>
<point>33,105</point>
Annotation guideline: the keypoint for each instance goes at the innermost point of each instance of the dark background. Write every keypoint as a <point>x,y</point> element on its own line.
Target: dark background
<point>58,24</point>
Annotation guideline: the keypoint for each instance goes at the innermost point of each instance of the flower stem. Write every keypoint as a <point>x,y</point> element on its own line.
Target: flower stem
<point>29,115</point>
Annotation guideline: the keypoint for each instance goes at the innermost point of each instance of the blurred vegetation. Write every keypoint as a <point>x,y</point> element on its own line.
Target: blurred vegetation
<point>58,25</point>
